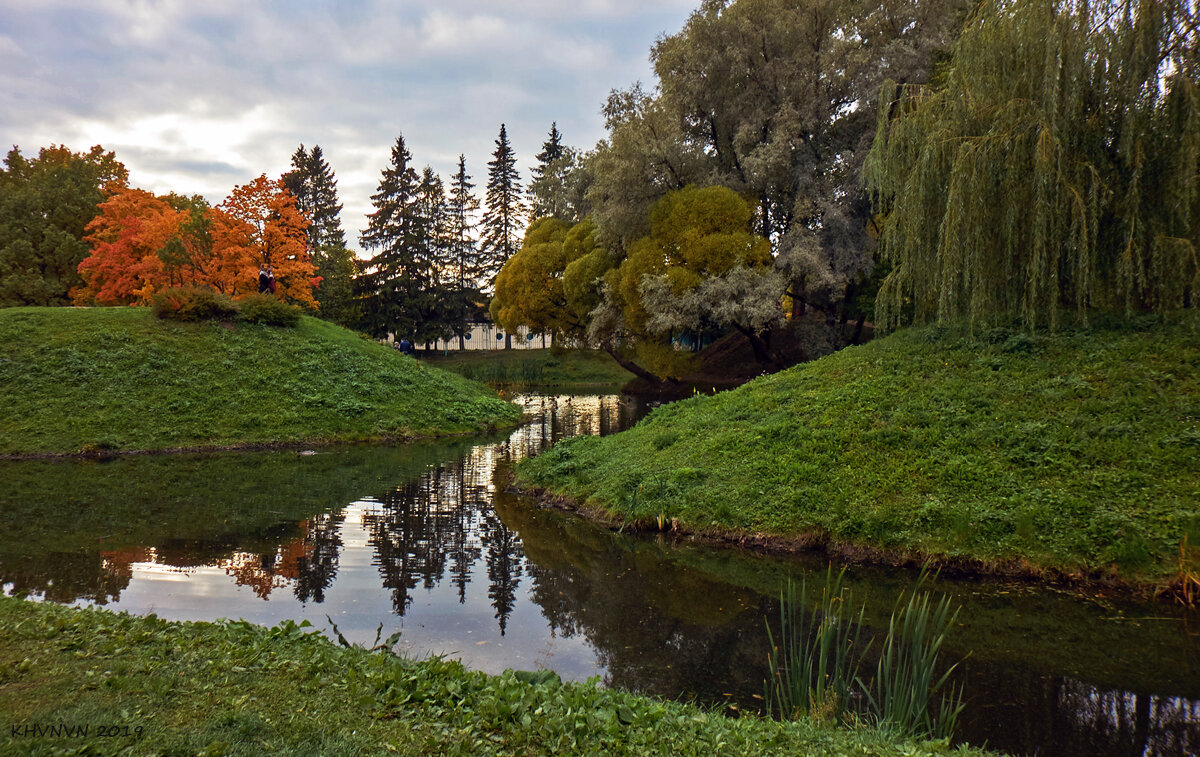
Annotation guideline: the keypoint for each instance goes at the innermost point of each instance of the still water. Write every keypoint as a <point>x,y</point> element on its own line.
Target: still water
<point>425,540</point>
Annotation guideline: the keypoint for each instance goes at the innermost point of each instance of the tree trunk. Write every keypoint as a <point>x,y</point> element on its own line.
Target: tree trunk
<point>762,351</point>
<point>858,328</point>
<point>630,366</point>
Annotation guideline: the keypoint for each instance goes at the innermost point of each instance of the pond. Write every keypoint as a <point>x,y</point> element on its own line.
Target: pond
<point>424,539</point>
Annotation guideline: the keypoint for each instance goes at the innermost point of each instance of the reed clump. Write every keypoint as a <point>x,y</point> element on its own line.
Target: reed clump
<point>814,665</point>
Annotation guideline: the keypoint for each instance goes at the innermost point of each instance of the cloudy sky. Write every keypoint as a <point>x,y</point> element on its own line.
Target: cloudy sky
<point>197,96</point>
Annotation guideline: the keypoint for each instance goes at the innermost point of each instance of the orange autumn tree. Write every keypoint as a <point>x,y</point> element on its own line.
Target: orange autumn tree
<point>272,233</point>
<point>125,236</point>
<point>208,248</point>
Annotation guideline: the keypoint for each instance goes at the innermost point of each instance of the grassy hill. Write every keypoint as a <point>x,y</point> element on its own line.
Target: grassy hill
<point>1067,453</point>
<point>77,379</point>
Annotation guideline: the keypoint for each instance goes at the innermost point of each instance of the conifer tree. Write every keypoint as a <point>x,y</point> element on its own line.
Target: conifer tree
<point>311,181</point>
<point>463,206</point>
<point>393,285</point>
<point>462,253</point>
<point>550,186</point>
<point>503,210</point>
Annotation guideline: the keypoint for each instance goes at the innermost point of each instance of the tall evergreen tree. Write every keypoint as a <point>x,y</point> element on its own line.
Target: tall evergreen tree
<point>503,210</point>
<point>463,253</point>
<point>435,251</point>
<point>393,286</point>
<point>552,150</point>
<point>314,186</point>
<point>551,191</point>
<point>463,207</point>
<point>311,181</point>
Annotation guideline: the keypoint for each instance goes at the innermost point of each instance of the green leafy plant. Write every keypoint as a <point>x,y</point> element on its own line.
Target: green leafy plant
<point>815,661</point>
<point>814,665</point>
<point>265,309</point>
<point>193,304</point>
<point>907,681</point>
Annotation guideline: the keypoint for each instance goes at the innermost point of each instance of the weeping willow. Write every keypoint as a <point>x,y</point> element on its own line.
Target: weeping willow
<point>1052,167</point>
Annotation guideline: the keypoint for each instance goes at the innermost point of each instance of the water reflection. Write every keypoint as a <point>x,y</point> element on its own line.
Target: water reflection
<point>425,539</point>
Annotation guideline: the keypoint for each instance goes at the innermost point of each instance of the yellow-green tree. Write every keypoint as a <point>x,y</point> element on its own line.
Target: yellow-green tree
<point>698,269</point>
<point>551,283</point>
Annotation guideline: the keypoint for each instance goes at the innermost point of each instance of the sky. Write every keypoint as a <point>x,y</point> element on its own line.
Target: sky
<point>197,97</point>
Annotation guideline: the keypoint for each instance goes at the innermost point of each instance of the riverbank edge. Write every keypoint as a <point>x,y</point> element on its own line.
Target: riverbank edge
<point>819,543</point>
<point>232,687</point>
<point>301,444</point>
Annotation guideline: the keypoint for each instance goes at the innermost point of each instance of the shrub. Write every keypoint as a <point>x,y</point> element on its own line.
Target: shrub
<point>263,308</point>
<point>193,304</point>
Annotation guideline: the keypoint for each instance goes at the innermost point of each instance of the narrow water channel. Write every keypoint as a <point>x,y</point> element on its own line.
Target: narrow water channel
<point>423,539</point>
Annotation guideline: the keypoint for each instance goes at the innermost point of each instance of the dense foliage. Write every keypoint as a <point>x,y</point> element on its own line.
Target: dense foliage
<point>1054,166</point>
<point>311,181</point>
<point>141,243</point>
<point>46,204</point>
<point>193,304</point>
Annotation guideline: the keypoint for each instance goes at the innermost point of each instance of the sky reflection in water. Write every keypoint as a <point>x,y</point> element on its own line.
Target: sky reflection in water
<point>422,539</point>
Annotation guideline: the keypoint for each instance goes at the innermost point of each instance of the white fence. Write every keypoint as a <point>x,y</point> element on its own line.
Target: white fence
<point>487,336</point>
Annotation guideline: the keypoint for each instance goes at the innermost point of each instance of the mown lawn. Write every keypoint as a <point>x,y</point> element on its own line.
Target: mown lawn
<point>238,689</point>
<point>74,379</point>
<point>1075,451</point>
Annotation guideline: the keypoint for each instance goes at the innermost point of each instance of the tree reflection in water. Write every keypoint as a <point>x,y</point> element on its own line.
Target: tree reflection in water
<point>431,522</point>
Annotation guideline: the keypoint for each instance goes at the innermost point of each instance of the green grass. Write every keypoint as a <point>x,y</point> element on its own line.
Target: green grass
<point>235,688</point>
<point>546,368</point>
<point>1071,452</point>
<point>74,379</point>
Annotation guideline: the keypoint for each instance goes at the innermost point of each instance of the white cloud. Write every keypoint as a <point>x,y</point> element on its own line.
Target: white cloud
<point>197,97</point>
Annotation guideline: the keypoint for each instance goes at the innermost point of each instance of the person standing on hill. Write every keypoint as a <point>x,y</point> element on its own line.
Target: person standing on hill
<point>270,279</point>
<point>264,283</point>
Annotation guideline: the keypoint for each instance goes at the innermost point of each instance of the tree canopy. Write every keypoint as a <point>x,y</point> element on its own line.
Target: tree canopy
<point>46,204</point>
<point>773,99</point>
<point>543,287</point>
<point>312,182</point>
<point>503,209</point>
<point>141,243</point>
<point>1054,167</point>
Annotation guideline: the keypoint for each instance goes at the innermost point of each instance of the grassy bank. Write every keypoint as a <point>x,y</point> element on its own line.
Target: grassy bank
<point>1072,453</point>
<point>235,688</point>
<point>74,379</point>
<point>564,369</point>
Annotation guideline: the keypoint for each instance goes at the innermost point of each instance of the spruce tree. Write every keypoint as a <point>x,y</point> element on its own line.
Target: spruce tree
<point>463,206</point>
<point>549,190</point>
<point>503,211</point>
<point>463,253</point>
<point>311,181</point>
<point>393,286</point>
